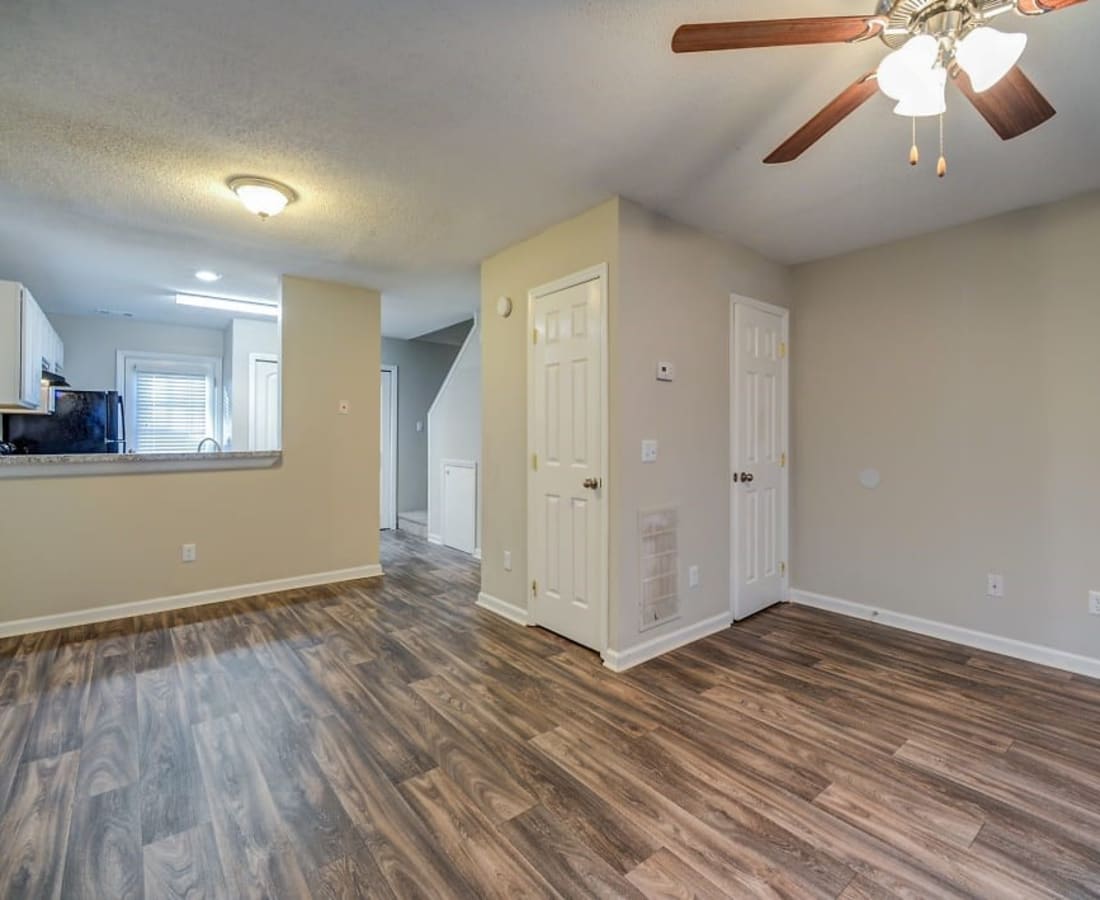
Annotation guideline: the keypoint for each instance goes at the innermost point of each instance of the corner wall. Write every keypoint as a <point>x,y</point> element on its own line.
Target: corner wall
<point>421,368</point>
<point>587,240</point>
<point>72,544</point>
<point>454,429</point>
<point>964,366</point>
<point>673,305</point>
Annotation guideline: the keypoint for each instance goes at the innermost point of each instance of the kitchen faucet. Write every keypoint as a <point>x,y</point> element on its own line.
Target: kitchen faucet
<point>203,442</point>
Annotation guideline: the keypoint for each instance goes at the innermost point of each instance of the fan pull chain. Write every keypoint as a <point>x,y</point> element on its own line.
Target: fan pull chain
<point>914,152</point>
<point>941,166</point>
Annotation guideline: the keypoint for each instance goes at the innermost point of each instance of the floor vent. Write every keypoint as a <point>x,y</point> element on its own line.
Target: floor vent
<point>660,556</point>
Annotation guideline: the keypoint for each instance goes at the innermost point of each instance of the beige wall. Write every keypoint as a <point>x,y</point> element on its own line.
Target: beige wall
<point>70,544</point>
<point>588,240</point>
<point>673,304</point>
<point>669,299</point>
<point>964,366</point>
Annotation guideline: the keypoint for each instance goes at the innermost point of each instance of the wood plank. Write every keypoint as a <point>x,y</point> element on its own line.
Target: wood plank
<point>406,852</point>
<point>184,866</point>
<point>258,858</point>
<point>34,830</point>
<point>104,856</point>
<point>109,742</point>
<point>172,798</point>
<point>469,838</point>
<point>664,876</point>
<point>58,718</point>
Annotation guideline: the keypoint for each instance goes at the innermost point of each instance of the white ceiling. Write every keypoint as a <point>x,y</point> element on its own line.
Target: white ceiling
<point>423,135</point>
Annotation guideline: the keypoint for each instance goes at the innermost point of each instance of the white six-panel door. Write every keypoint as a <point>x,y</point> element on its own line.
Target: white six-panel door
<point>759,457</point>
<point>566,537</point>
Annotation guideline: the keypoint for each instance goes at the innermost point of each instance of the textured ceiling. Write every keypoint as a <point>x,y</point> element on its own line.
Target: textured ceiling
<point>423,135</point>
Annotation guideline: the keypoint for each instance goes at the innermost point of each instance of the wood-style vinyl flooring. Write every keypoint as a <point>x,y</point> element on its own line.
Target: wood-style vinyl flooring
<point>388,739</point>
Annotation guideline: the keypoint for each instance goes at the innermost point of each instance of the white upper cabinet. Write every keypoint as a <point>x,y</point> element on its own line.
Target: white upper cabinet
<point>28,344</point>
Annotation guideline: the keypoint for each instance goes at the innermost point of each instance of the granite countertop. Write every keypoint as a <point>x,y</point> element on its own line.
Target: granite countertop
<point>46,464</point>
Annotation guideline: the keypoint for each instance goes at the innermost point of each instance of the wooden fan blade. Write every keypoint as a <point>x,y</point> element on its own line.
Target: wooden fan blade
<point>774,33</point>
<point>1038,7</point>
<point>825,121</point>
<point>1012,106</point>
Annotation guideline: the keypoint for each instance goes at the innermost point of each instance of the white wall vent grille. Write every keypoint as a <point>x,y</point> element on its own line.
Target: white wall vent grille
<point>658,530</point>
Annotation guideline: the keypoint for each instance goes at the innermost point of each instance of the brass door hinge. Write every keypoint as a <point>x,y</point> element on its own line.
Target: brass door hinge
<point>535,461</point>
<point>534,588</point>
<point>783,460</point>
<point>534,336</point>
<point>783,568</point>
<point>782,349</point>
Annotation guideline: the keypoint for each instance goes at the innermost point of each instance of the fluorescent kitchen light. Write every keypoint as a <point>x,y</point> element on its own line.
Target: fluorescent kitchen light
<point>245,307</point>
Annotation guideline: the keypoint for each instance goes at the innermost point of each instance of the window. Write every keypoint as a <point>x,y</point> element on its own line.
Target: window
<point>171,401</point>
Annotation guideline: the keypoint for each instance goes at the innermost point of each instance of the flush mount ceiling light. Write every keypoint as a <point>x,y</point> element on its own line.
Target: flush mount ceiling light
<point>208,276</point>
<point>262,196</point>
<point>263,308</point>
<point>931,40</point>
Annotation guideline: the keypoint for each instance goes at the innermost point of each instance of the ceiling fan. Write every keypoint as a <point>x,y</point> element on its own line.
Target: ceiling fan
<point>931,41</point>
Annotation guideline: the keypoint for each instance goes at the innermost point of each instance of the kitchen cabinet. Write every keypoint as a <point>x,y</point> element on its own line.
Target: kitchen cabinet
<point>28,344</point>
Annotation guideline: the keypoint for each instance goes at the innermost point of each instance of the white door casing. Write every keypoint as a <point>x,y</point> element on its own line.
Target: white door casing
<point>567,457</point>
<point>759,448</point>
<point>263,400</point>
<point>388,446</point>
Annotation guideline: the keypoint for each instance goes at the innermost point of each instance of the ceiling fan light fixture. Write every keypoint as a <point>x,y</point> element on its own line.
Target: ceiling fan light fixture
<point>987,55</point>
<point>929,98</point>
<point>905,71</point>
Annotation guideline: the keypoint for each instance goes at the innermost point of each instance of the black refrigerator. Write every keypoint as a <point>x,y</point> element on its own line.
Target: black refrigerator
<point>82,422</point>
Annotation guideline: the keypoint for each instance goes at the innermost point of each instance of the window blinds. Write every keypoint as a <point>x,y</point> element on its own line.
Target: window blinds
<point>173,410</point>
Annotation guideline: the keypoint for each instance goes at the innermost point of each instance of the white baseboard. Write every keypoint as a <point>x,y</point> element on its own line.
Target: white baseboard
<point>435,539</point>
<point>503,608</point>
<point>477,554</point>
<point>182,601</point>
<point>1036,653</point>
<point>621,660</point>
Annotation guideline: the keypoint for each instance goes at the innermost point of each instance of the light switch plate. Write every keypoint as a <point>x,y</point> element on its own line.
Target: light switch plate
<point>995,585</point>
<point>666,371</point>
<point>693,577</point>
<point>507,560</point>
<point>188,553</point>
<point>1094,602</point>
<point>649,451</point>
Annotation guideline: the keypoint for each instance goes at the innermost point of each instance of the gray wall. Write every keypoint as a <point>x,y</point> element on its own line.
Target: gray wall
<point>421,368</point>
<point>964,366</point>
<point>92,342</point>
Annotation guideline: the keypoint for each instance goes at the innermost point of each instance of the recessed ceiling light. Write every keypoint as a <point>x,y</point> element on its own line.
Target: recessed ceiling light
<point>208,276</point>
<point>262,196</point>
<point>226,304</point>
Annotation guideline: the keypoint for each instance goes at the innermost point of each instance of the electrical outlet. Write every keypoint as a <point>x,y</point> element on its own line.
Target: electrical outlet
<point>666,371</point>
<point>649,451</point>
<point>996,586</point>
<point>188,553</point>
<point>507,560</point>
<point>1094,602</point>
<point>693,577</point>
<point>343,407</point>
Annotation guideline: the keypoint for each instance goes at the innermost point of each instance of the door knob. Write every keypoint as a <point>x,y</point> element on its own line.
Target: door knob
<point>747,477</point>
<point>593,484</point>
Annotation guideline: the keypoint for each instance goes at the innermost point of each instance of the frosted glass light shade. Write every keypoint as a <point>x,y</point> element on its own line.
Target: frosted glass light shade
<point>928,98</point>
<point>987,55</point>
<point>906,70</point>
<point>261,196</point>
